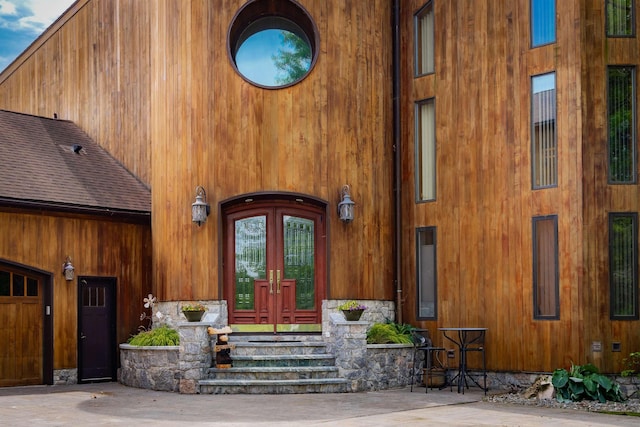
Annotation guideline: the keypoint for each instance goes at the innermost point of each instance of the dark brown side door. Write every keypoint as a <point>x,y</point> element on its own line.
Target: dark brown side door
<point>97,347</point>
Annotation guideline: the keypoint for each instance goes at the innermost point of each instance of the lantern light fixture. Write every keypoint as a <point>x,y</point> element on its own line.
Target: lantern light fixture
<point>345,207</point>
<point>68,270</point>
<point>200,208</point>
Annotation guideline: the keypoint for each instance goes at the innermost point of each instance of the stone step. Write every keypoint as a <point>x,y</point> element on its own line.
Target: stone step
<point>319,385</point>
<point>252,348</point>
<point>281,360</point>
<point>274,373</point>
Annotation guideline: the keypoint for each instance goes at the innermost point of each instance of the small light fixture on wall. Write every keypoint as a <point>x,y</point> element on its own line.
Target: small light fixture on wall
<point>68,270</point>
<point>345,207</point>
<point>200,208</point>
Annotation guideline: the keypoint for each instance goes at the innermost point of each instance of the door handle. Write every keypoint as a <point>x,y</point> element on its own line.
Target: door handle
<point>271,281</point>
<point>82,335</point>
<point>278,279</point>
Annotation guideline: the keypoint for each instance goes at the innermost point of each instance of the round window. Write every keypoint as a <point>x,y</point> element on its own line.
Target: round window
<point>272,43</point>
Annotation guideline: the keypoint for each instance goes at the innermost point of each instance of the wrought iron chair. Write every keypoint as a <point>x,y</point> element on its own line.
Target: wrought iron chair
<point>432,364</point>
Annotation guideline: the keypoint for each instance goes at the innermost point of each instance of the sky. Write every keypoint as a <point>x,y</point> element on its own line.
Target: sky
<point>22,21</point>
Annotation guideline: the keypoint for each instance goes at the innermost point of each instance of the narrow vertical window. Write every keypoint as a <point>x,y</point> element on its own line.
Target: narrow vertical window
<point>424,40</point>
<point>621,124</point>
<point>543,22</point>
<point>426,150</point>
<point>544,152</point>
<point>545,268</point>
<point>426,261</point>
<point>623,265</point>
<point>620,18</point>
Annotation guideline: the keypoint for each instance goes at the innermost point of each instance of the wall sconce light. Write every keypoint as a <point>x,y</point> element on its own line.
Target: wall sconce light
<point>68,270</point>
<point>200,208</point>
<point>345,207</point>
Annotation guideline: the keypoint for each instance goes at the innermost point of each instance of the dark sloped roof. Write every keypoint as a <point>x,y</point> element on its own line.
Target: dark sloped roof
<point>39,166</point>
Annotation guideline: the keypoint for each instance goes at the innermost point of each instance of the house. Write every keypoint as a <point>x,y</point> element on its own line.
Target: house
<point>489,147</point>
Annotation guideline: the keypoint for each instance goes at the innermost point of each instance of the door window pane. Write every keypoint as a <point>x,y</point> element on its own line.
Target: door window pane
<point>5,284</point>
<point>545,268</point>
<point>424,40</point>
<point>426,256</point>
<point>621,118</point>
<point>544,161</point>
<point>18,285</point>
<point>623,265</point>
<point>251,258</point>
<point>32,287</point>
<point>543,22</point>
<point>299,262</point>
<point>620,18</point>
<point>426,150</point>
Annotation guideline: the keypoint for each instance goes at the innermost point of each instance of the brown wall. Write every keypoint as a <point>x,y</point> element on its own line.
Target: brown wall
<point>97,248</point>
<point>485,202</point>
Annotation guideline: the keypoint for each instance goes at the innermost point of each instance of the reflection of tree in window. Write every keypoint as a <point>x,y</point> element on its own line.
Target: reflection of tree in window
<point>293,58</point>
<point>621,124</point>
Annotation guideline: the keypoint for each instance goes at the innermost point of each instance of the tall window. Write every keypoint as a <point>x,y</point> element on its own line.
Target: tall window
<point>546,298</point>
<point>620,18</point>
<point>544,151</point>
<point>621,124</point>
<point>426,256</point>
<point>424,40</point>
<point>543,22</point>
<point>426,150</point>
<point>623,265</point>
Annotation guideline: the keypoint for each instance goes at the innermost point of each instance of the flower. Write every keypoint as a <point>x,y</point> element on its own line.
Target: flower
<point>352,305</point>
<point>149,301</point>
<point>193,307</point>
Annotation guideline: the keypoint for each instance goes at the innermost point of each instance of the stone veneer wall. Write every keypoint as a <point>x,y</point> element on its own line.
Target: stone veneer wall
<point>153,368</point>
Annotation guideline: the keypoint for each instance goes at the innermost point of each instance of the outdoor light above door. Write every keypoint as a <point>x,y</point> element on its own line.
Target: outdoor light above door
<point>345,207</point>
<point>200,208</point>
<point>68,270</point>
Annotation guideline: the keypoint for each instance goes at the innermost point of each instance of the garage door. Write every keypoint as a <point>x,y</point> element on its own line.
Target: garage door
<point>21,328</point>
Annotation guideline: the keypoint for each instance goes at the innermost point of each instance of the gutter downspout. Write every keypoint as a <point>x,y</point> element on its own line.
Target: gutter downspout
<point>396,156</point>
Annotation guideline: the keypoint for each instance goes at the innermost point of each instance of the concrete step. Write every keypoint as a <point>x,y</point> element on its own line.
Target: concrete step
<point>280,360</point>
<point>252,348</point>
<point>319,385</point>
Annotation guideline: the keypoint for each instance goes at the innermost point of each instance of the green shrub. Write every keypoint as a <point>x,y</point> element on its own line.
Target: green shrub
<point>584,382</point>
<point>156,337</point>
<point>389,333</point>
<point>632,365</point>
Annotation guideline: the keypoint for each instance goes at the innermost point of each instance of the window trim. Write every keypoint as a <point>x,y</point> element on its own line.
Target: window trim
<point>634,136</point>
<point>634,217</point>
<point>556,315</point>
<point>620,36</point>
<point>417,141</point>
<point>416,52</point>
<point>419,230</point>
<point>533,133</point>
<point>555,24</point>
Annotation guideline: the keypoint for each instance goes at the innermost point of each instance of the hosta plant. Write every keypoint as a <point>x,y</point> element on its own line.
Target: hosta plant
<point>584,382</point>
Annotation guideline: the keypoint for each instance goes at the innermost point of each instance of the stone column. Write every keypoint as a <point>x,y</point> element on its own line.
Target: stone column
<point>349,345</point>
<point>195,355</point>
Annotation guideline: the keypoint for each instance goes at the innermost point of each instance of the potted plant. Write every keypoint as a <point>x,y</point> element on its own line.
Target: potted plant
<point>193,312</point>
<point>352,309</point>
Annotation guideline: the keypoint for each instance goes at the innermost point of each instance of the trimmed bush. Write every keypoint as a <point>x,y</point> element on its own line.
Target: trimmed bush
<point>161,336</point>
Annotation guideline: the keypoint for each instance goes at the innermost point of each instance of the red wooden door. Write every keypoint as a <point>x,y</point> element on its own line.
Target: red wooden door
<point>274,268</point>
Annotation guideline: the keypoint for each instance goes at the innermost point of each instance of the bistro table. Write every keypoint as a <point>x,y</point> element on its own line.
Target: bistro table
<point>466,339</point>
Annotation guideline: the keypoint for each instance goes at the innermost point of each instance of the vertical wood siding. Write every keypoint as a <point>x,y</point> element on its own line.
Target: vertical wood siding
<point>97,248</point>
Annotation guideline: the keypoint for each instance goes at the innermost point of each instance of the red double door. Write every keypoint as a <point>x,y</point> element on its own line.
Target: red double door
<point>274,268</point>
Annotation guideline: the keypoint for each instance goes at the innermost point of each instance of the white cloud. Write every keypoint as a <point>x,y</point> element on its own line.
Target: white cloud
<point>7,8</point>
<point>41,13</point>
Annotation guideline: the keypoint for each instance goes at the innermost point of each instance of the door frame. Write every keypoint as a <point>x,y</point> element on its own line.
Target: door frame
<point>47,314</point>
<point>281,200</point>
<point>111,289</point>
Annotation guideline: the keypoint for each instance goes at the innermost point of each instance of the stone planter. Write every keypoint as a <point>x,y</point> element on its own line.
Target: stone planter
<point>153,368</point>
<point>193,316</point>
<point>352,315</point>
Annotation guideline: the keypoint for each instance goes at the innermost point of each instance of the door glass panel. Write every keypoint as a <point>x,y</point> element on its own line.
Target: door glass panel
<point>18,285</point>
<point>299,259</point>
<point>251,258</point>
<point>32,287</point>
<point>5,284</point>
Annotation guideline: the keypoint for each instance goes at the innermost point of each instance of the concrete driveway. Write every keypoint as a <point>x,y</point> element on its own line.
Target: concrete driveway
<point>108,404</point>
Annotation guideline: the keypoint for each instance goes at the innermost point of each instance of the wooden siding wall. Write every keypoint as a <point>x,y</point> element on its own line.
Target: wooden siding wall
<point>601,198</point>
<point>97,248</point>
<point>485,203</point>
<point>152,83</point>
<point>212,128</point>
